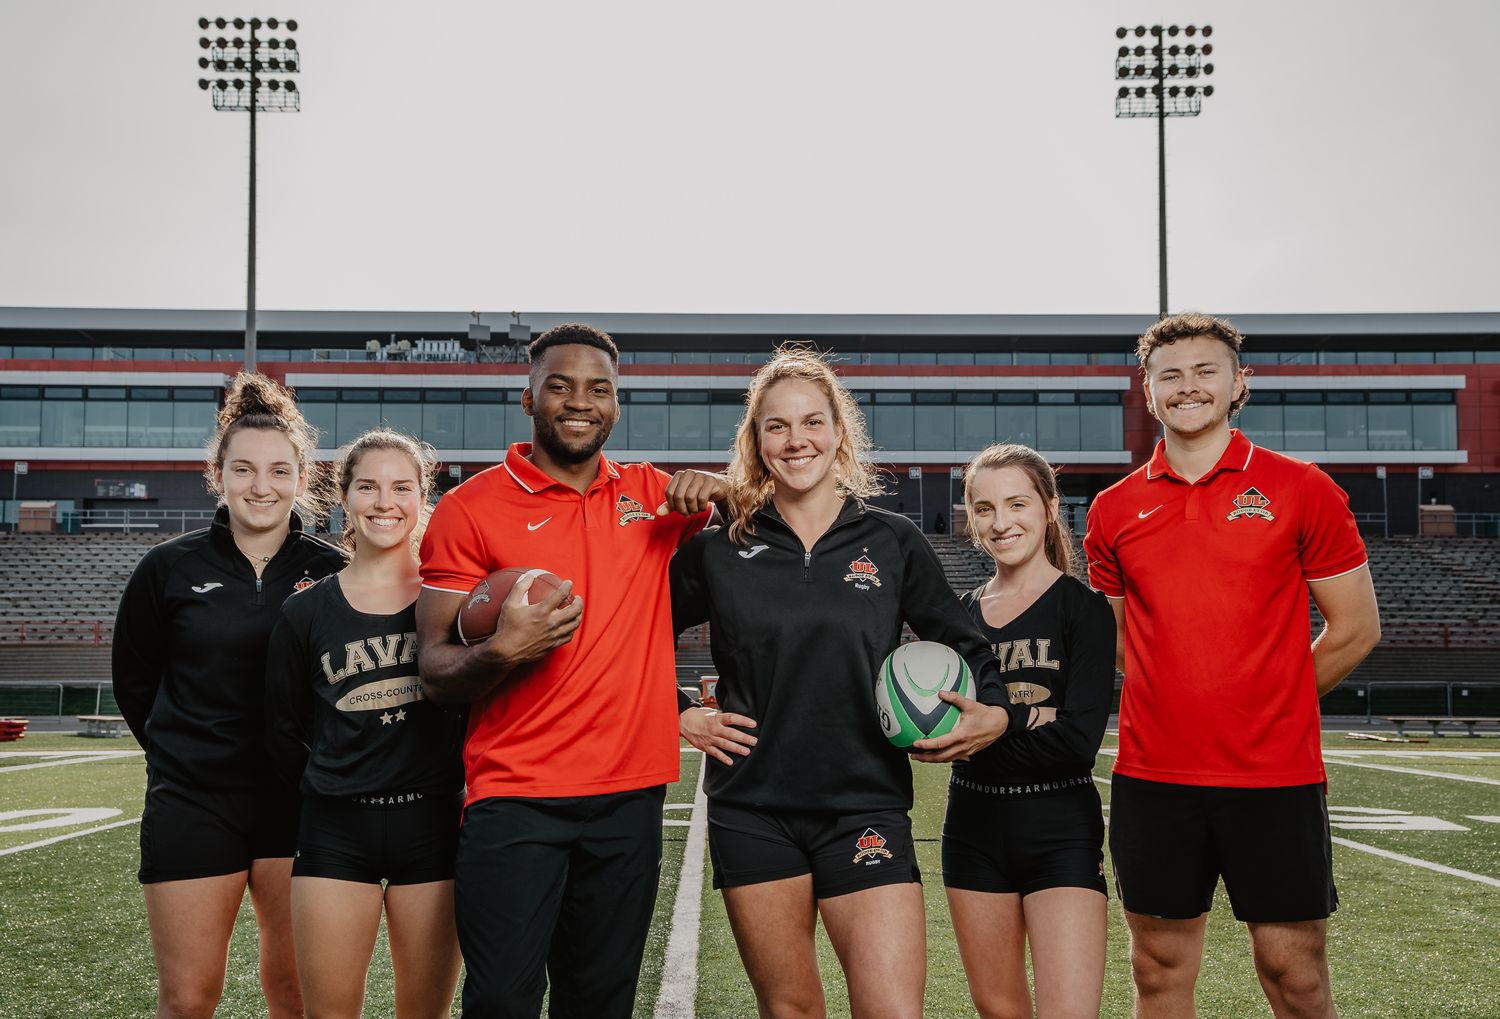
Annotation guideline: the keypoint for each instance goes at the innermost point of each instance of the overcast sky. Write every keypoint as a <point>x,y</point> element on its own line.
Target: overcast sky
<point>814,157</point>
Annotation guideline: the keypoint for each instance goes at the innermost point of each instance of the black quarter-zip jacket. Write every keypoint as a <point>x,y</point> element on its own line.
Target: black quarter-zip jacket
<point>189,654</point>
<point>798,637</point>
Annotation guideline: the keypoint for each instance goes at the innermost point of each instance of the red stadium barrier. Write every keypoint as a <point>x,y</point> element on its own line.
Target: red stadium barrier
<point>56,631</point>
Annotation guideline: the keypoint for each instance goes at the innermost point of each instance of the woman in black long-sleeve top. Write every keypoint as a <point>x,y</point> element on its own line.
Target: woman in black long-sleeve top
<point>1023,842</point>
<point>189,675</point>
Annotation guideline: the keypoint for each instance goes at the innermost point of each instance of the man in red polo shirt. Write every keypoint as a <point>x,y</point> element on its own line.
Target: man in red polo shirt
<point>573,726</point>
<point>1207,554</point>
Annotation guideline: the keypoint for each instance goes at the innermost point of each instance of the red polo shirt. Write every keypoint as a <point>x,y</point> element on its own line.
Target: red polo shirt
<point>1219,681</point>
<point>599,714</point>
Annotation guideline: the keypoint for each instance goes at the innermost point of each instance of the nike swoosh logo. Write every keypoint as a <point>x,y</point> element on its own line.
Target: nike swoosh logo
<point>208,587</point>
<point>751,553</point>
<point>533,527</point>
<point>1143,514</point>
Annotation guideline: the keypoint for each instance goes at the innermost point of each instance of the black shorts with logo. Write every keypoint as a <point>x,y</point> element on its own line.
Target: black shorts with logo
<point>1171,843</point>
<point>843,852</point>
<point>188,832</point>
<point>399,838</point>
<point>998,840</point>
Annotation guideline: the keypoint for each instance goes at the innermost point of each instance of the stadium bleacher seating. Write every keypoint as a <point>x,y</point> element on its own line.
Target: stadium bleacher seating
<point>1439,602</point>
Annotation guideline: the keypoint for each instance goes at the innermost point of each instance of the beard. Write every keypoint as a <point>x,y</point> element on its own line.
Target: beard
<point>565,449</point>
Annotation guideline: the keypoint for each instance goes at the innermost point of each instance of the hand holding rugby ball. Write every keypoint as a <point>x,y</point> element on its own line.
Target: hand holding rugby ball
<point>480,613</point>
<point>906,691</point>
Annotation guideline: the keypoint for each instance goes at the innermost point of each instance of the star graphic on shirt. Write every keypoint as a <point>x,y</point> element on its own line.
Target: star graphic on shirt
<point>401,715</point>
<point>385,719</point>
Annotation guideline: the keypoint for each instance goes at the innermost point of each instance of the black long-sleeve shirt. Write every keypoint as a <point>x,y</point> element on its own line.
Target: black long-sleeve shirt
<point>1058,653</point>
<point>798,637</point>
<point>345,713</point>
<point>189,653</point>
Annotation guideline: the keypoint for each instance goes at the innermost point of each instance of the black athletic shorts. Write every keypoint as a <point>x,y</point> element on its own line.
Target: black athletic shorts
<point>188,832</point>
<point>995,841</point>
<point>402,838</point>
<point>1171,844</point>
<point>843,852</point>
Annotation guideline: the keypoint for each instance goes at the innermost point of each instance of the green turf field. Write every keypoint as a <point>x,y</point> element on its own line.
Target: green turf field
<point>1407,940</point>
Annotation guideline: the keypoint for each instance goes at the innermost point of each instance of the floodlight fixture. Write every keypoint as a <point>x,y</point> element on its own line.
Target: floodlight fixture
<point>252,93</point>
<point>1161,62</point>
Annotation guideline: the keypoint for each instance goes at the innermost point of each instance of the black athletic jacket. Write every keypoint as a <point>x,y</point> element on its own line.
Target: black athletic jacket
<point>190,650</point>
<point>1058,653</point>
<point>345,714</point>
<point>798,637</point>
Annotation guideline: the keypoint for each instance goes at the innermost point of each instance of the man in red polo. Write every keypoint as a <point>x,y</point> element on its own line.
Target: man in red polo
<point>1207,554</point>
<point>573,722</point>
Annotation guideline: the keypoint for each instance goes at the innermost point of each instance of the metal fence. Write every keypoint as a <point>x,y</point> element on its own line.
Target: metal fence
<point>132,520</point>
<point>33,700</point>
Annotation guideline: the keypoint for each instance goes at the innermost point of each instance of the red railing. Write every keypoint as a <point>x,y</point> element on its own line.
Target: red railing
<point>56,631</point>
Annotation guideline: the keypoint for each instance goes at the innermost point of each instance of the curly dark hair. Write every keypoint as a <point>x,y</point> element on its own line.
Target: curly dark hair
<point>572,333</point>
<point>1186,326</point>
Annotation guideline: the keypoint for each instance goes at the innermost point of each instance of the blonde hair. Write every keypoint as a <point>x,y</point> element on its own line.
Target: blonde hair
<point>750,483</point>
<point>423,458</point>
<point>254,401</point>
<point>1058,543</point>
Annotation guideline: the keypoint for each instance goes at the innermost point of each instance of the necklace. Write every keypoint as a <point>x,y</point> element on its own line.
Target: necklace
<point>262,559</point>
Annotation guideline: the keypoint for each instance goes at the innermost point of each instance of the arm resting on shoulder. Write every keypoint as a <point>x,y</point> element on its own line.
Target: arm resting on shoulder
<point>1353,625</point>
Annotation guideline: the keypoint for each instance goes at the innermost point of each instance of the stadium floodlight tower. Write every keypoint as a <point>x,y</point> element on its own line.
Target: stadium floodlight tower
<point>250,58</point>
<point>1161,79</point>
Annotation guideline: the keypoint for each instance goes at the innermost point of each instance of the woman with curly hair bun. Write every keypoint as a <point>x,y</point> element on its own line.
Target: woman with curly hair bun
<point>189,675</point>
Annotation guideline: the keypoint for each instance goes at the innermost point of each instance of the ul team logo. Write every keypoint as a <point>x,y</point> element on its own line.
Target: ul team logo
<point>630,510</point>
<point>863,574</point>
<point>870,848</point>
<point>1250,503</point>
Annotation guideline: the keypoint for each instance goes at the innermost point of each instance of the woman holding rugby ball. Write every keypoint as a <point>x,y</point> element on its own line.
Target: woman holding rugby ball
<point>1023,843</point>
<point>378,765</point>
<point>189,674</point>
<point>806,591</point>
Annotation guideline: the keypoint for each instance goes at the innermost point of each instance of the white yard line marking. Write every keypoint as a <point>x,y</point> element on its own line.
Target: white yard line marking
<point>1427,864</point>
<point>1102,781</point>
<point>1414,771</point>
<point>70,835</point>
<point>679,971</point>
<point>83,757</point>
<point>1487,818</point>
<point>66,753</point>
<point>1414,755</point>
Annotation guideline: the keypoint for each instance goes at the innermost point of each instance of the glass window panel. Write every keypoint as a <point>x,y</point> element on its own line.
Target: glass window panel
<point>359,395</point>
<point>1343,396</point>
<point>1101,427</point>
<point>1056,398</point>
<point>955,359</point>
<point>689,426</point>
<point>403,417</point>
<point>443,425</point>
<point>974,396</point>
<point>1262,422</point>
<point>1415,357</point>
<point>995,357</point>
<point>1015,423</point>
<point>104,422</point>
<point>192,423</point>
<point>1091,396</point>
<point>106,392</point>
<point>653,357</point>
<point>913,357</point>
<point>149,393</point>
<point>1011,396</point>
<point>892,427</point>
<point>517,427</point>
<point>934,427</point>
<point>484,396</point>
<point>1390,426</point>
<point>443,395</point>
<point>317,396</point>
<point>1434,426</point>
<point>1387,396</point>
<point>1330,357</point>
<point>63,392</point>
<point>20,422</point>
<point>1304,425</point>
<point>1455,357</point>
<point>1057,427</point>
<point>1032,357</point>
<point>648,396</point>
<point>723,419</point>
<point>1345,424</point>
<point>484,426</point>
<point>182,393</point>
<point>973,427</point>
<point>73,353</point>
<point>1069,358</point>
<point>325,418</point>
<point>1376,357</point>
<point>355,418</point>
<point>150,423</point>
<point>878,358</point>
<point>62,422</point>
<point>401,396</point>
<point>1431,396</point>
<point>1301,396</point>
<point>30,352</point>
<point>887,396</point>
<point>932,396</point>
<point>687,396</point>
<point>648,426</point>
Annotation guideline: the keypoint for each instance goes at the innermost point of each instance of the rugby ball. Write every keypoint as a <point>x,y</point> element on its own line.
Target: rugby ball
<point>480,613</point>
<point>906,691</point>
